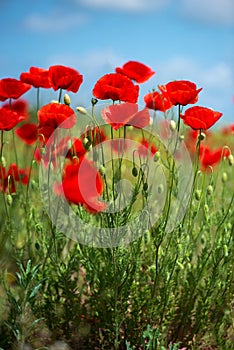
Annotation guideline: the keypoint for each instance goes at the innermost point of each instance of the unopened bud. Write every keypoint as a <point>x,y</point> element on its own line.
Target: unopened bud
<point>67,99</point>
<point>145,187</point>
<point>209,190</point>
<point>197,195</point>
<point>43,151</point>
<point>81,110</point>
<point>230,159</point>
<point>172,125</point>
<point>134,171</point>
<point>224,177</point>
<point>102,169</point>
<point>3,161</point>
<point>9,200</point>
<point>181,137</point>
<point>87,144</point>
<point>157,156</point>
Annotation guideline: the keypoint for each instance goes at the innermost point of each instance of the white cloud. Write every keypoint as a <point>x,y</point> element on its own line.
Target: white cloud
<point>124,5</point>
<point>215,11</point>
<point>55,22</point>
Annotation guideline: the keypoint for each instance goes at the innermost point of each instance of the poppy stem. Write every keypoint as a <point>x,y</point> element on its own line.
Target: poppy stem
<point>2,174</point>
<point>60,95</point>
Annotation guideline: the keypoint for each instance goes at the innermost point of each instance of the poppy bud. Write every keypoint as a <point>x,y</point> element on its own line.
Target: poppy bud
<point>67,99</point>
<point>181,137</point>
<point>197,195</point>
<point>209,190</point>
<point>134,171</point>
<point>160,188</point>
<point>157,156</point>
<point>202,136</point>
<point>3,161</point>
<point>94,101</point>
<point>81,110</point>
<point>225,250</point>
<point>87,144</point>
<point>9,200</point>
<point>43,150</point>
<point>145,187</point>
<point>172,125</point>
<point>224,177</point>
<point>230,159</point>
<point>102,169</point>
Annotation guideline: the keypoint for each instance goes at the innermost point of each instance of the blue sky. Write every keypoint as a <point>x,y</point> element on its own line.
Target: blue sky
<point>179,39</point>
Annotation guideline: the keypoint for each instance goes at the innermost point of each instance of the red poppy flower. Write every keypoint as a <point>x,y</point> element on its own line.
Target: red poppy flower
<point>145,149</point>
<point>54,114</point>
<point>116,87</point>
<point>3,178</point>
<point>136,71</point>
<point>181,92</point>
<point>125,114</point>
<point>28,133</point>
<point>8,179</point>
<point>20,107</point>
<point>120,145</point>
<point>37,77</point>
<point>200,117</point>
<point>66,78</point>
<point>71,147</point>
<point>12,88</point>
<point>210,157</point>
<point>228,130</point>
<point>82,184</point>
<point>95,135</point>
<point>8,119</point>
<point>157,101</point>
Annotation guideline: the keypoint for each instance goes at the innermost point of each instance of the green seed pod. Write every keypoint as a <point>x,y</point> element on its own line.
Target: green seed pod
<point>230,160</point>
<point>145,187</point>
<point>87,144</point>
<point>209,190</point>
<point>202,136</point>
<point>134,171</point>
<point>94,101</point>
<point>224,177</point>
<point>67,100</point>
<point>197,195</point>
<point>9,200</point>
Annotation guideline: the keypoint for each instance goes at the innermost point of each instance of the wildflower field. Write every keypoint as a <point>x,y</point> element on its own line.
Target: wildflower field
<point>117,217</point>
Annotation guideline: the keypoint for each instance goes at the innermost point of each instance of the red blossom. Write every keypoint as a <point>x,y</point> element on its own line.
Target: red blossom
<point>200,117</point>
<point>56,115</point>
<point>82,184</point>
<point>8,179</point>
<point>12,88</point>
<point>71,147</point>
<point>157,101</point>
<point>37,77</point>
<point>20,107</point>
<point>125,114</point>
<point>66,78</point>
<point>181,92</point>
<point>116,87</point>
<point>145,149</point>
<point>28,133</point>
<point>8,119</point>
<point>210,157</point>
<point>136,71</point>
